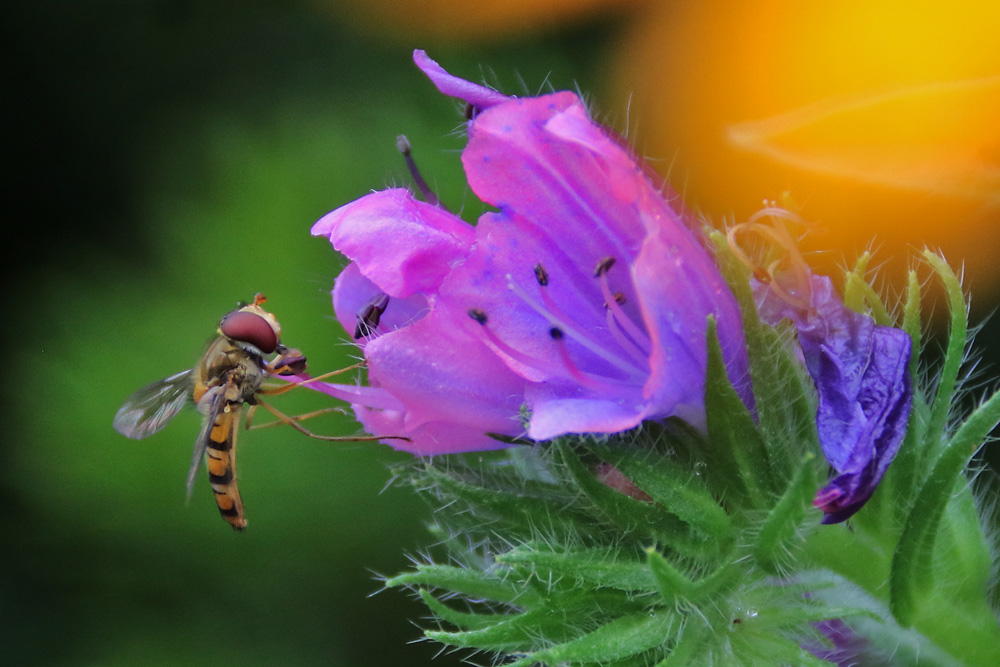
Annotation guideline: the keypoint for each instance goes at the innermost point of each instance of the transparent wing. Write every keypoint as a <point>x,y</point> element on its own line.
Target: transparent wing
<point>209,405</point>
<point>149,409</point>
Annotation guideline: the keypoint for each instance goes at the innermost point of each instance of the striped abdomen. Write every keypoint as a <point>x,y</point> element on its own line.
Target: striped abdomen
<point>220,456</point>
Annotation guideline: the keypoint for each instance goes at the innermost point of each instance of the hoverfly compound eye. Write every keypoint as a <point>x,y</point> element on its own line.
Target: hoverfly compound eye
<point>250,328</point>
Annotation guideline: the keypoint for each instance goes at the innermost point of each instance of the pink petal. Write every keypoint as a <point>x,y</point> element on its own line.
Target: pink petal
<point>452,86</point>
<point>401,244</point>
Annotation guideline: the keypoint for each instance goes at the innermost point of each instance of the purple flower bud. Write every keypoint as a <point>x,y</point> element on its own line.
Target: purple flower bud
<point>583,297</point>
<point>861,372</point>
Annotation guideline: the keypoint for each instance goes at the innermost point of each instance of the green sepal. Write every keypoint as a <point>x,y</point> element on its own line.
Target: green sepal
<point>954,356</point>
<point>508,633</point>
<point>592,567</point>
<point>784,393</point>
<point>677,588</point>
<point>465,581</point>
<point>777,534</point>
<point>912,572</point>
<point>620,638</point>
<point>669,484</point>
<point>632,515</point>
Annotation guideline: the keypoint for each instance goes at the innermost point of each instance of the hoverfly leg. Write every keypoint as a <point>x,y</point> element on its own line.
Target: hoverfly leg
<point>294,423</point>
<point>297,418</point>
<point>274,390</point>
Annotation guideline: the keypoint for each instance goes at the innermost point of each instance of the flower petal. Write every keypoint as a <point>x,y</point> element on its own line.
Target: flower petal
<point>403,245</point>
<point>452,86</point>
<point>441,375</point>
<point>861,373</point>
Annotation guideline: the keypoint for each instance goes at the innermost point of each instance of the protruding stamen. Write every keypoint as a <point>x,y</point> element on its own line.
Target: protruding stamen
<point>403,146</point>
<point>800,294</point>
<point>370,314</point>
<point>578,375</point>
<point>541,275</point>
<point>613,305</point>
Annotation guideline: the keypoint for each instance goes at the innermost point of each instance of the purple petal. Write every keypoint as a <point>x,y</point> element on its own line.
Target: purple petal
<point>861,372</point>
<point>452,86</point>
<point>403,245</point>
<point>441,375</point>
<point>352,292</point>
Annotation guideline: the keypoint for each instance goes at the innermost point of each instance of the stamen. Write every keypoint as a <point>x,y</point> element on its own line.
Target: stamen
<point>403,146</point>
<point>578,375</point>
<point>637,354</point>
<point>567,368</point>
<point>614,307</point>
<point>550,311</point>
<point>800,295</point>
<point>370,314</point>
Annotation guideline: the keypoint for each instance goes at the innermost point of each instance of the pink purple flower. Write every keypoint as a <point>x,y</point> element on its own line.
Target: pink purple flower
<point>583,297</point>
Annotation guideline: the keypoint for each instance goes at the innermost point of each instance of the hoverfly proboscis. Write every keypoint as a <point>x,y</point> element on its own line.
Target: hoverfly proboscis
<point>228,376</point>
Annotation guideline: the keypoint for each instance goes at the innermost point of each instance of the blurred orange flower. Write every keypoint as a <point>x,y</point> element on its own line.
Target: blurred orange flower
<point>881,118</point>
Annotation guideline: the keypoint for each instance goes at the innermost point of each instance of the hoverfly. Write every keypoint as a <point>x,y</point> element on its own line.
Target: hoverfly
<point>230,374</point>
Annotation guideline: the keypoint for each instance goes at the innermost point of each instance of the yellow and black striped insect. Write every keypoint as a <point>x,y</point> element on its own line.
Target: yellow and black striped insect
<point>228,376</point>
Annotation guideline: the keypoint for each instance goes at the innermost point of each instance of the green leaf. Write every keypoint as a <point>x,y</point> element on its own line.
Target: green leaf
<point>680,491</point>
<point>735,444</point>
<point>912,561</point>
<point>514,633</point>
<point>468,582</point>
<point>620,638</point>
<point>595,567</point>
<point>772,547</point>
<point>955,352</point>
<point>633,515</point>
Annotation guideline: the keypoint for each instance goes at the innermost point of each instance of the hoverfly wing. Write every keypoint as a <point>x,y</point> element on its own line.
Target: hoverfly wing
<point>210,405</point>
<point>150,409</point>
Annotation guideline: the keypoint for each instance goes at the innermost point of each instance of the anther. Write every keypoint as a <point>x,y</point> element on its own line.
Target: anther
<point>556,333</point>
<point>620,299</point>
<point>471,111</point>
<point>541,275</point>
<point>604,266</point>
<point>403,146</point>
<point>478,315</point>
<point>370,314</point>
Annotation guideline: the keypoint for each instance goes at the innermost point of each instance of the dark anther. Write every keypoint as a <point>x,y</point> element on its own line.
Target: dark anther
<point>370,314</point>
<point>604,266</point>
<point>470,111</point>
<point>478,315</point>
<point>541,275</point>
<point>556,333</point>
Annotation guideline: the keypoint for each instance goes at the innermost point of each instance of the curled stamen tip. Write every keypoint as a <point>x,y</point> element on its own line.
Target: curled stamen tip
<point>403,144</point>
<point>478,315</point>
<point>541,275</point>
<point>604,266</point>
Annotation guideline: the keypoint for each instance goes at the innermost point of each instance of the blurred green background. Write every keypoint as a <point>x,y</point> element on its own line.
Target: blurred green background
<point>166,160</point>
